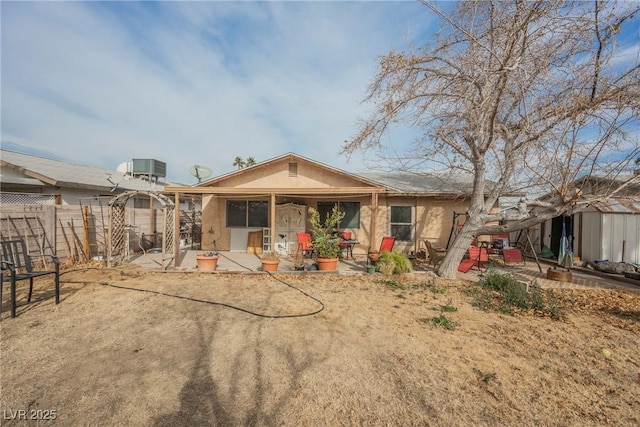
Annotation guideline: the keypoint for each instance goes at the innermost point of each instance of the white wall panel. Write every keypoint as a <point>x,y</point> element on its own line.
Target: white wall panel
<point>591,236</point>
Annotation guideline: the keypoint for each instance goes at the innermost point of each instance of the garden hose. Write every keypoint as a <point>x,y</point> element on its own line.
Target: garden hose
<point>263,315</point>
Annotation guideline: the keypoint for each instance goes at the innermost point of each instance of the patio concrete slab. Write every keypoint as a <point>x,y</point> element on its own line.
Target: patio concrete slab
<point>581,278</point>
<point>238,262</point>
<point>241,262</point>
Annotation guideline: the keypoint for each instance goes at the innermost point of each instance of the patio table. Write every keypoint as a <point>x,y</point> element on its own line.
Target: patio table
<point>347,246</point>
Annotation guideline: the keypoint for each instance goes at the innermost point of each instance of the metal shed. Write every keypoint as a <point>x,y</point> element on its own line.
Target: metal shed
<point>611,230</point>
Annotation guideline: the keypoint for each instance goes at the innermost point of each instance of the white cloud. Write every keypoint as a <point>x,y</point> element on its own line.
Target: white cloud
<point>194,82</point>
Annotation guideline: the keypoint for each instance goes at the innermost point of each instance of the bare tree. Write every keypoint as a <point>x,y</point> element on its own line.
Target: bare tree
<point>525,97</point>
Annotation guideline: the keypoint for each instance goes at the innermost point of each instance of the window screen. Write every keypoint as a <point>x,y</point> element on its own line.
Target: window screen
<point>351,210</point>
<point>258,214</point>
<point>401,224</point>
<point>236,213</point>
<point>247,213</point>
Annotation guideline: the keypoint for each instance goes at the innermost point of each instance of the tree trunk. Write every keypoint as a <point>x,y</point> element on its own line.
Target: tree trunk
<point>448,268</point>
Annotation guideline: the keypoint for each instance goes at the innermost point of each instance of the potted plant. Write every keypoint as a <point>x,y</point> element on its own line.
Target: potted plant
<point>325,243</point>
<point>207,261</point>
<point>270,261</point>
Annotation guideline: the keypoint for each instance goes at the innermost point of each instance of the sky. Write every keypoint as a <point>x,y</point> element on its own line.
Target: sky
<point>102,83</point>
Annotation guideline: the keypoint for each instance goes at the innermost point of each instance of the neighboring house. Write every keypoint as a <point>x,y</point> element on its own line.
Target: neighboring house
<point>273,197</point>
<point>607,229</point>
<point>67,204</point>
<point>25,177</point>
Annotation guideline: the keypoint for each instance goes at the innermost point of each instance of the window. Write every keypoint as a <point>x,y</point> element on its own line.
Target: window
<point>351,210</point>
<point>258,214</point>
<point>247,213</point>
<point>401,224</point>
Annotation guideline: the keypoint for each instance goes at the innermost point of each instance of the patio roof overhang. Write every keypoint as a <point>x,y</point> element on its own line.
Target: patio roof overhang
<point>281,190</point>
<point>373,191</point>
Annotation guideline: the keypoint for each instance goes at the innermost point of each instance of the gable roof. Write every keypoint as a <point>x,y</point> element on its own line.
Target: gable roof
<point>598,193</point>
<point>35,170</point>
<point>398,183</point>
<point>616,205</point>
<point>602,184</point>
<point>290,157</point>
<point>421,183</point>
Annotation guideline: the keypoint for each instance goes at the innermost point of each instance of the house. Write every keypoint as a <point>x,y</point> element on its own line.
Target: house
<point>603,229</point>
<point>25,177</point>
<point>271,199</point>
<point>65,204</point>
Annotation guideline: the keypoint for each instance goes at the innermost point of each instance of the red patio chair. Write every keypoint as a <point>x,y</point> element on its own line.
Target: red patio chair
<point>513,256</point>
<point>477,256</point>
<point>387,243</point>
<point>385,246</point>
<point>304,242</point>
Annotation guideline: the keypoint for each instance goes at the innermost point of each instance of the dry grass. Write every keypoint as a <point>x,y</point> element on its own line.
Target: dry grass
<point>113,356</point>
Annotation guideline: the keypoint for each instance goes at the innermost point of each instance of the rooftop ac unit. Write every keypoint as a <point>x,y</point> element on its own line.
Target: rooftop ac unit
<point>150,167</point>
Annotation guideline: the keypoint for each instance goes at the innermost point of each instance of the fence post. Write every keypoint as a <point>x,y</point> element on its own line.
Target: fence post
<point>85,232</point>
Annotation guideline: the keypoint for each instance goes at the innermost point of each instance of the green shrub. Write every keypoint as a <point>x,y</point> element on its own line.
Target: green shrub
<point>391,284</point>
<point>385,266</point>
<point>401,263</point>
<point>497,281</point>
<point>433,286</point>
<point>442,321</point>
<point>485,378</point>
<point>448,307</point>
<point>504,293</point>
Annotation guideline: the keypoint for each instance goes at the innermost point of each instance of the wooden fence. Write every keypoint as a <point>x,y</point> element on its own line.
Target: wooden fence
<point>80,233</point>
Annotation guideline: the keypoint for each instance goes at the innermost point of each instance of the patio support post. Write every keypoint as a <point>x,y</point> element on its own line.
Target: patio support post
<point>109,236</point>
<point>176,231</point>
<point>272,220</point>
<point>152,216</point>
<point>414,227</point>
<point>374,217</point>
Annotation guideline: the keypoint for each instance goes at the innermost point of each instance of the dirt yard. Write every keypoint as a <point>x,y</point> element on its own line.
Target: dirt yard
<point>129,347</point>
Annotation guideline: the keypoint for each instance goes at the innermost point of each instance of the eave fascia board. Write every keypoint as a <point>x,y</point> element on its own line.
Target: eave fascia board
<point>253,190</point>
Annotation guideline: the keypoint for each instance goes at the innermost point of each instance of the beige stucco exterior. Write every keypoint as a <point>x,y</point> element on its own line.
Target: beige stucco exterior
<point>294,179</point>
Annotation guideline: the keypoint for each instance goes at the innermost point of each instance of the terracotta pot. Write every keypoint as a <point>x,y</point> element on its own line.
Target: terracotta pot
<point>327,264</point>
<point>270,265</point>
<point>207,263</point>
<point>374,256</point>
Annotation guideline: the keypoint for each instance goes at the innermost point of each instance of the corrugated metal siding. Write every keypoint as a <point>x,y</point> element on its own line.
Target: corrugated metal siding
<point>632,252</point>
<point>577,240</point>
<point>615,237</point>
<point>591,236</point>
<point>620,241</point>
<point>631,239</point>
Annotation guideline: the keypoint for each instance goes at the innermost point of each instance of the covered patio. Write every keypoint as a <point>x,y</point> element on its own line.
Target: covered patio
<point>241,262</point>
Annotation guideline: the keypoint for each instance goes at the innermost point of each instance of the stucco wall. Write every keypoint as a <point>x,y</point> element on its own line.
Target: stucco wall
<point>433,218</point>
<point>276,175</point>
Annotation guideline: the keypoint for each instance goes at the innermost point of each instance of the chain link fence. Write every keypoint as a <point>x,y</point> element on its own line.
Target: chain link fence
<point>27,199</point>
